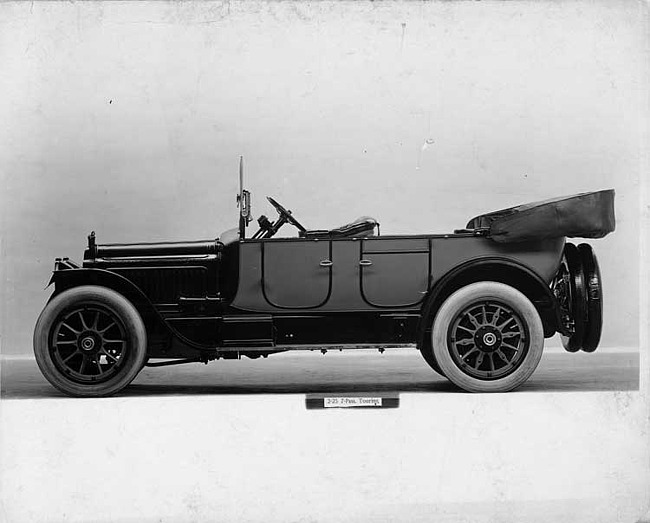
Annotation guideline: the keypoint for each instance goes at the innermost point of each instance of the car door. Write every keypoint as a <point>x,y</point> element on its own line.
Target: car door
<point>394,272</point>
<point>296,273</point>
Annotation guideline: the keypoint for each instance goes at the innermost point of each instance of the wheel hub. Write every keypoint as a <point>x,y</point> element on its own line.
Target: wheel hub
<point>488,339</point>
<point>89,342</point>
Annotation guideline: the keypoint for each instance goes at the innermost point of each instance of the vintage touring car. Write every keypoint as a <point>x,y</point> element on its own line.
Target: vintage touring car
<point>477,303</point>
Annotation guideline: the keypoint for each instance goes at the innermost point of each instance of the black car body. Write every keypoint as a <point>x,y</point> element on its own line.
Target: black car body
<point>477,302</point>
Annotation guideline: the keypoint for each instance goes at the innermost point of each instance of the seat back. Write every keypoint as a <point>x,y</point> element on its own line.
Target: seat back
<point>360,228</point>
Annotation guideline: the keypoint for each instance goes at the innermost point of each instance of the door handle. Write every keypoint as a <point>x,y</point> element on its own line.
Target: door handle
<point>326,263</point>
<point>365,262</point>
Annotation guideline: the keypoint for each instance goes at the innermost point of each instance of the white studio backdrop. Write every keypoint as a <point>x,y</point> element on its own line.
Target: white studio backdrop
<point>128,119</point>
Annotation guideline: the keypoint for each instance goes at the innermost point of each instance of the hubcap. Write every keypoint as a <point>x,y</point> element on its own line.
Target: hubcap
<point>88,344</point>
<point>488,340</point>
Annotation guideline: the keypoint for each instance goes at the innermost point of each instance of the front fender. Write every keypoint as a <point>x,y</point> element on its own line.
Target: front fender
<point>153,320</point>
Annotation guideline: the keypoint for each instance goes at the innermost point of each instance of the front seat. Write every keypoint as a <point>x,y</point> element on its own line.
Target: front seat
<point>362,227</point>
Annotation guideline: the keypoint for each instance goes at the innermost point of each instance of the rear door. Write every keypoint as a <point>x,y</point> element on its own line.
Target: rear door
<point>296,273</point>
<point>394,272</point>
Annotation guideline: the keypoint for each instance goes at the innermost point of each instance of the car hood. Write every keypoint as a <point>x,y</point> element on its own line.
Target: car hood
<point>139,250</point>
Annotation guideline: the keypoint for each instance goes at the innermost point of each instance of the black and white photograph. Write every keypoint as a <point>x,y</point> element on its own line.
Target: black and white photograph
<point>324,261</point>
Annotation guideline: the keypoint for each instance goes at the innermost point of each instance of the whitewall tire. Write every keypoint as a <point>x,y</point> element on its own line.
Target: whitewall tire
<point>487,337</point>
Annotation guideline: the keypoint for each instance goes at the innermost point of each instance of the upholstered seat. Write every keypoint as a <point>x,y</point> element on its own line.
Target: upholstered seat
<point>359,228</point>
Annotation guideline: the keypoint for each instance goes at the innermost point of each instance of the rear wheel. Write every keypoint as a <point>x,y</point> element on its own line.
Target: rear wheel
<point>90,341</point>
<point>487,337</point>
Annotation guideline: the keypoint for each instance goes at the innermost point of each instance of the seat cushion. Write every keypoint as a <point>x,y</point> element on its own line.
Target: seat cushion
<point>359,228</point>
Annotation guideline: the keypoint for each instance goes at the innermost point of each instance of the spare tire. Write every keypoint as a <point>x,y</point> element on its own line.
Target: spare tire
<point>571,290</point>
<point>594,298</point>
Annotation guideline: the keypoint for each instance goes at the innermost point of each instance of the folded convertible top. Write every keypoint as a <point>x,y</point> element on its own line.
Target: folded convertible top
<point>585,215</point>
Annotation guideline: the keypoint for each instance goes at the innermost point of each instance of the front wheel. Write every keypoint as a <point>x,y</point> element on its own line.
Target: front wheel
<point>90,341</point>
<point>487,337</point>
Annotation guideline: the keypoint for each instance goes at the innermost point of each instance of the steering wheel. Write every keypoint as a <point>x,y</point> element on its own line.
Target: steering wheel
<point>285,215</point>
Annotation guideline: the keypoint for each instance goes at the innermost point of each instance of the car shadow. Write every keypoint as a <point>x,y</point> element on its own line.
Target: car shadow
<point>315,388</point>
<point>21,378</point>
<point>23,381</point>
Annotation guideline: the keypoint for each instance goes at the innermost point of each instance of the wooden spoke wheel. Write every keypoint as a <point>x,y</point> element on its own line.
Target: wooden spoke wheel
<point>90,341</point>
<point>487,337</point>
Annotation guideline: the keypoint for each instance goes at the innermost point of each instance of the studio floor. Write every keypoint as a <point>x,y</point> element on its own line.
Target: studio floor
<point>234,441</point>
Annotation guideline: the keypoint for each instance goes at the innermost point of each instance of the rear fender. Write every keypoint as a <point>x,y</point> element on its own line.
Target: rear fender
<point>491,269</point>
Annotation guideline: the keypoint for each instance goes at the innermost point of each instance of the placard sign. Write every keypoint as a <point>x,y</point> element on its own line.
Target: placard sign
<point>340,401</point>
